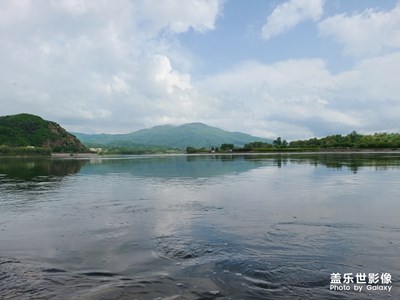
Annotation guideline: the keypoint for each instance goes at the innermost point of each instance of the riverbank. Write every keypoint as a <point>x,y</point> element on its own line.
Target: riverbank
<point>6,151</point>
<point>300,151</point>
<point>270,151</point>
<point>74,155</point>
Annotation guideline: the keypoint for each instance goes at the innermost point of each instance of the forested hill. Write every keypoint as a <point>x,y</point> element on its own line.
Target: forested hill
<point>193,134</point>
<point>25,130</point>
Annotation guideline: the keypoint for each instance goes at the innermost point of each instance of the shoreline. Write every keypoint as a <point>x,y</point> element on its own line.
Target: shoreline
<point>74,155</point>
<point>303,151</point>
<point>307,152</point>
<point>274,152</point>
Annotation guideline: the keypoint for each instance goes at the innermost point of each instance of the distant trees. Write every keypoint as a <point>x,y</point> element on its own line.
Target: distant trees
<point>257,145</point>
<point>227,147</point>
<point>352,140</point>
<point>24,151</point>
<point>279,143</point>
<point>222,148</point>
<point>195,150</point>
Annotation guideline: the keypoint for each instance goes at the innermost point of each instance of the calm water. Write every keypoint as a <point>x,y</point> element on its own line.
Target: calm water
<point>198,227</point>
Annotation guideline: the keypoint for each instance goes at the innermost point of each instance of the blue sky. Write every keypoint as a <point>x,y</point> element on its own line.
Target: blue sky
<point>295,69</point>
<point>237,36</point>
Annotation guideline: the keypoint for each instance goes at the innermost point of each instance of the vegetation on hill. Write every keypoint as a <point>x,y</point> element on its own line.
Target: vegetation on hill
<point>332,142</point>
<point>24,151</point>
<point>137,149</point>
<point>27,134</point>
<point>352,140</point>
<point>196,135</point>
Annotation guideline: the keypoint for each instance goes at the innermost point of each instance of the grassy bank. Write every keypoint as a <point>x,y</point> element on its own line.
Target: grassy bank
<point>24,151</point>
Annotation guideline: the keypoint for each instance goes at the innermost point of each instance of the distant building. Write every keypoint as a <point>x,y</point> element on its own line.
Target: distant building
<point>95,150</point>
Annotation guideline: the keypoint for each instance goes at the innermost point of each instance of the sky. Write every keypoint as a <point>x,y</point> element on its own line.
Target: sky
<point>296,69</point>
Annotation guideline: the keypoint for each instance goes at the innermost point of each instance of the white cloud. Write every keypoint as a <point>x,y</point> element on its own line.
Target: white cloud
<point>112,64</point>
<point>76,7</point>
<point>368,33</point>
<point>181,15</point>
<point>301,98</point>
<point>287,15</point>
<point>162,73</point>
<point>95,67</point>
<point>375,78</point>
<point>118,85</point>
<point>12,12</point>
<point>371,91</point>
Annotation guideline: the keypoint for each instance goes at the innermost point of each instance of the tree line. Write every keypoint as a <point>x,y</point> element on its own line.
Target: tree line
<point>353,140</point>
<point>24,151</point>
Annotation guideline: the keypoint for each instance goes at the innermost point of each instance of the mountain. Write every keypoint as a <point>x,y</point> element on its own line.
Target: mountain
<point>193,134</point>
<point>24,130</point>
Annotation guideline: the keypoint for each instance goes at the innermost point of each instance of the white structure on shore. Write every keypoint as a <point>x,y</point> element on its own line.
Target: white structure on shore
<point>95,150</point>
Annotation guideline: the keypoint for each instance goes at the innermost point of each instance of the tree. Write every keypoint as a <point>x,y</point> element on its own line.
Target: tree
<point>191,150</point>
<point>227,147</point>
<point>257,145</point>
<point>277,142</point>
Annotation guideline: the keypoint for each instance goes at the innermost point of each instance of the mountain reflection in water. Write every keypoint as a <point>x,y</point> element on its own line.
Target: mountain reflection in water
<point>198,226</point>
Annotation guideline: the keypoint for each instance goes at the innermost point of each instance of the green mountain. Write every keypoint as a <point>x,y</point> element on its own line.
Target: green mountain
<point>193,134</point>
<point>25,130</point>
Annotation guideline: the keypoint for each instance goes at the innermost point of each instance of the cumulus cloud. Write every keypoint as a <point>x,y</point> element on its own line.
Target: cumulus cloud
<point>161,73</point>
<point>96,67</point>
<point>364,34</point>
<point>302,98</point>
<point>287,15</point>
<point>113,65</point>
<point>283,95</point>
<point>180,16</point>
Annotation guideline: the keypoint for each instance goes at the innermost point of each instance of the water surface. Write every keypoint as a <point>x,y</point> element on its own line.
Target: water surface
<point>198,227</point>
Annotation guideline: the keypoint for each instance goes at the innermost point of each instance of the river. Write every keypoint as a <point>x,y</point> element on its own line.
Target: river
<point>272,226</point>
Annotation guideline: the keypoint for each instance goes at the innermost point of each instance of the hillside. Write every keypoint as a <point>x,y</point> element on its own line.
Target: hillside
<point>193,134</point>
<point>25,130</point>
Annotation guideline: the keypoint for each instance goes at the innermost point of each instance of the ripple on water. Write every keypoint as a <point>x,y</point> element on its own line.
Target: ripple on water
<point>174,248</point>
<point>271,279</point>
<point>21,280</point>
<point>250,278</point>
